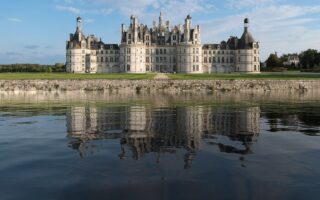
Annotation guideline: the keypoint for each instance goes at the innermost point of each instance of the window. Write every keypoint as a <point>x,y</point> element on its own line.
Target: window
<point>194,50</point>
<point>147,37</point>
<point>196,36</point>
<point>101,59</point>
<point>106,59</point>
<point>197,50</point>
<point>111,59</point>
<point>157,51</point>
<point>147,59</point>
<point>222,59</point>
<point>174,37</point>
<point>129,36</point>
<point>128,67</point>
<point>197,59</point>
<point>205,59</point>
<point>160,51</point>
<point>164,51</point>
<point>147,51</point>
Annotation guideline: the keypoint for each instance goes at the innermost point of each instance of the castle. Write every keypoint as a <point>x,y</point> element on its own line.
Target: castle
<point>161,48</point>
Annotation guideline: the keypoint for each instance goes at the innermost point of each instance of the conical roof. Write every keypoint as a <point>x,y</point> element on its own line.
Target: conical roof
<point>246,41</point>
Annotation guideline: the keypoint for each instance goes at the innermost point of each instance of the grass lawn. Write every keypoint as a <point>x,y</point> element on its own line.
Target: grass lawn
<point>122,76</point>
<point>65,76</point>
<point>247,76</point>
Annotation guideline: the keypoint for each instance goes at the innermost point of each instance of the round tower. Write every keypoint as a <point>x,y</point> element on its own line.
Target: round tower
<point>247,53</point>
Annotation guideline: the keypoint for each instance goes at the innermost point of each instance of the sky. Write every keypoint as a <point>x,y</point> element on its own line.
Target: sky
<point>35,31</point>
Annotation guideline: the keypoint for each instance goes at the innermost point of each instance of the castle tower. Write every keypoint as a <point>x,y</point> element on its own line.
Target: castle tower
<point>247,54</point>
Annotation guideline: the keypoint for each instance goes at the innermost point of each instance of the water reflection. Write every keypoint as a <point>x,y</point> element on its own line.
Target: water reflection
<point>142,130</point>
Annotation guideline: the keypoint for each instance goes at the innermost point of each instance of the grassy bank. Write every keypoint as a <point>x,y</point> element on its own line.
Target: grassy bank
<point>246,76</point>
<point>232,76</point>
<point>65,76</point>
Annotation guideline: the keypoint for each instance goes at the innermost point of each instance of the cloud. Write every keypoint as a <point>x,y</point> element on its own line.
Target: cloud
<point>13,54</point>
<point>146,9</point>
<point>283,28</point>
<point>240,4</point>
<point>89,21</point>
<point>32,46</point>
<point>70,9</point>
<point>14,19</point>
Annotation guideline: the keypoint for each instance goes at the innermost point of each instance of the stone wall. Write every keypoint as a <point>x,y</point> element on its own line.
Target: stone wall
<point>159,85</point>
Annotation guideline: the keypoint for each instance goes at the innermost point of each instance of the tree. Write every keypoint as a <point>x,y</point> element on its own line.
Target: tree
<point>309,59</point>
<point>273,61</point>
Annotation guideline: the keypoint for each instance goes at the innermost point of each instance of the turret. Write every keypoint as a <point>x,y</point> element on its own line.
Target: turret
<point>246,24</point>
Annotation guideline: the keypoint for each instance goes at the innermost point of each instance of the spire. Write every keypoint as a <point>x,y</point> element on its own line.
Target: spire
<point>160,20</point>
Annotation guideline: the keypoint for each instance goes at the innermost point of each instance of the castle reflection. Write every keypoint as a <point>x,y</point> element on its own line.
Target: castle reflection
<point>142,129</point>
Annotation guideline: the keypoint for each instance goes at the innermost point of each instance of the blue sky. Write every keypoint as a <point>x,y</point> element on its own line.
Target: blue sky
<point>35,31</point>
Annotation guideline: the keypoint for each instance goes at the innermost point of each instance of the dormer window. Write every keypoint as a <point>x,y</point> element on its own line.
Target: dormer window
<point>147,37</point>
<point>174,37</point>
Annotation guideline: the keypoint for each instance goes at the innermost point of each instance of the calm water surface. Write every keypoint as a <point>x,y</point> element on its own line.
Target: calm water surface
<point>159,147</point>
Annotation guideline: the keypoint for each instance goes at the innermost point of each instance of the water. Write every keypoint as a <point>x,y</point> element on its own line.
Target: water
<point>159,146</point>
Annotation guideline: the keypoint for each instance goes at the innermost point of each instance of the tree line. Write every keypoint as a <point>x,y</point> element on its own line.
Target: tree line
<point>35,68</point>
<point>309,60</point>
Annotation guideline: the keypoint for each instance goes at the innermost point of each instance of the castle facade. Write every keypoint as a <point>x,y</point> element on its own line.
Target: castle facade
<point>162,48</point>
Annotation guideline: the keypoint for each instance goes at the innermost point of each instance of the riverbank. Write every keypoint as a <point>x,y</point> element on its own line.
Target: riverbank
<point>172,86</point>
